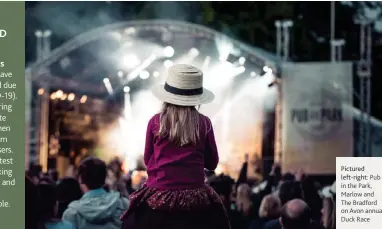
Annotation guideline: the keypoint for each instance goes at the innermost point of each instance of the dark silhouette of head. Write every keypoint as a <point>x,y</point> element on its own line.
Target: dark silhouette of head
<point>47,200</point>
<point>295,214</point>
<point>311,197</point>
<point>68,190</point>
<point>222,185</point>
<point>287,177</point>
<point>290,190</point>
<point>91,173</point>
<point>116,167</point>
<point>31,205</point>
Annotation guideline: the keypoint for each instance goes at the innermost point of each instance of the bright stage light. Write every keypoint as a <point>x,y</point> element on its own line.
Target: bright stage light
<point>64,96</point>
<point>241,60</point>
<point>144,74</point>
<point>71,96</point>
<point>168,51</point>
<point>120,74</point>
<point>155,74</point>
<point>225,47</point>
<point>108,86</point>
<point>194,52</point>
<point>59,93</point>
<point>38,33</point>
<point>135,73</point>
<point>47,33</point>
<point>219,169</point>
<point>131,61</point>
<point>126,89</point>
<point>168,63</point>
<point>40,91</point>
<point>225,71</point>
<point>83,99</point>
<point>267,69</point>
<point>53,96</point>
<point>253,74</point>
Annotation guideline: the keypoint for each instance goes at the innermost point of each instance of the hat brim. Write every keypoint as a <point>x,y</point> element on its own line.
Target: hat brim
<point>182,100</point>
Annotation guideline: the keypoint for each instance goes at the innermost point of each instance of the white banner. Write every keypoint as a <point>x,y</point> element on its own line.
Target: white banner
<point>315,125</point>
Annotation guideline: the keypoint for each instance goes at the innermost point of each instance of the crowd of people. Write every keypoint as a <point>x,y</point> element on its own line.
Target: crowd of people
<point>181,191</point>
<point>280,201</point>
<point>99,194</point>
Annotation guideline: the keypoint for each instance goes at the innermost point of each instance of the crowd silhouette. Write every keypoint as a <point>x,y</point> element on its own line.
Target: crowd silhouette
<point>249,205</point>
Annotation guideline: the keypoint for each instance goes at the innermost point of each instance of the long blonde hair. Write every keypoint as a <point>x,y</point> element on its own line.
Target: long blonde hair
<point>180,124</point>
<point>243,199</point>
<point>270,207</point>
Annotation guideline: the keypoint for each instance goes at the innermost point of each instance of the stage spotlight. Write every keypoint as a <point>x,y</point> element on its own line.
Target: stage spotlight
<point>135,73</point>
<point>71,96</point>
<point>120,74</point>
<point>155,74</point>
<point>168,51</point>
<point>267,69</point>
<point>131,61</point>
<point>253,74</point>
<point>241,60</point>
<point>64,96</point>
<point>53,96</point>
<point>38,33</point>
<point>83,99</point>
<point>40,91</point>
<point>168,63</point>
<point>144,74</point>
<point>47,33</point>
<point>194,52</point>
<point>106,80</point>
<point>59,93</point>
<point>126,89</point>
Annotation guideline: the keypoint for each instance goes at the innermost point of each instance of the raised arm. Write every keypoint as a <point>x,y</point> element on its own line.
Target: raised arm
<point>211,157</point>
<point>149,145</point>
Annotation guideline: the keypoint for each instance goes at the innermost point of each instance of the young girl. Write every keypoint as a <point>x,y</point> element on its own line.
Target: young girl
<point>180,143</point>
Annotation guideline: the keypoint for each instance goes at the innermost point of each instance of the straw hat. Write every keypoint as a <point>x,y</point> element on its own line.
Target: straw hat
<point>184,87</point>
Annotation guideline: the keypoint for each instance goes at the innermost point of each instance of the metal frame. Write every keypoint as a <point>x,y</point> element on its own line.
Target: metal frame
<point>162,25</point>
<point>364,74</point>
<point>282,50</point>
<point>39,71</point>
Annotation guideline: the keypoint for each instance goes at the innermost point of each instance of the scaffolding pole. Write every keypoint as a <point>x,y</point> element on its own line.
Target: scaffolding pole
<point>332,30</point>
<point>364,74</point>
<point>283,46</point>
<point>43,130</point>
<point>42,109</point>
